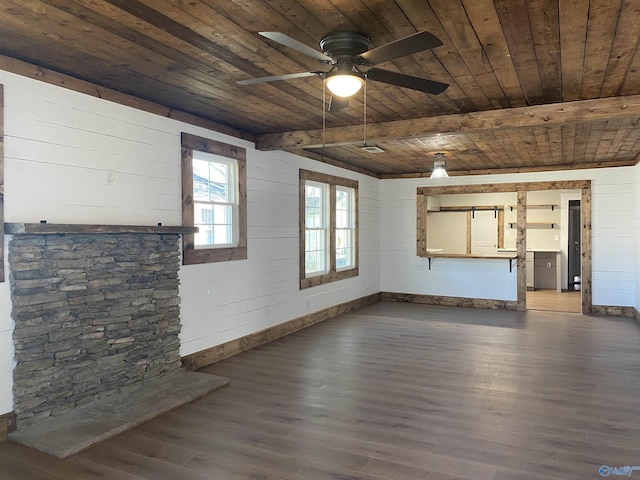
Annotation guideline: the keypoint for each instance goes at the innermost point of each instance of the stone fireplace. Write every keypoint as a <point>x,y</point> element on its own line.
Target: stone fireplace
<point>94,313</point>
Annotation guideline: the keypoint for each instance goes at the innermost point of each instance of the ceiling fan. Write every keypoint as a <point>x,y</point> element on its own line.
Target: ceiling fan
<point>350,57</point>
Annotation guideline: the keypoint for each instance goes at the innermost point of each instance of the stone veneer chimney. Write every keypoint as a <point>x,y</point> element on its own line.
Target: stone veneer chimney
<point>93,313</point>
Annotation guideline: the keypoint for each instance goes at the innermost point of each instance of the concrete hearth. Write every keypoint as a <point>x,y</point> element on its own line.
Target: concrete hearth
<point>88,425</point>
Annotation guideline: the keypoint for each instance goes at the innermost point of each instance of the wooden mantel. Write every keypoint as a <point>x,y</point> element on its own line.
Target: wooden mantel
<point>65,228</point>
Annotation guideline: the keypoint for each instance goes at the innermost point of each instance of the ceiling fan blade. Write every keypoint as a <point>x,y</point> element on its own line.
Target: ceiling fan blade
<point>274,78</point>
<point>406,81</point>
<point>337,103</point>
<point>287,41</point>
<point>405,46</point>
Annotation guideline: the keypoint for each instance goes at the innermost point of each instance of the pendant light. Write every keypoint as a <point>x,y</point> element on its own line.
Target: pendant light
<point>438,167</point>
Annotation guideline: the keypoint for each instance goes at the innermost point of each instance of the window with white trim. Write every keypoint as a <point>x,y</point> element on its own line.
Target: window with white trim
<point>345,227</point>
<point>328,228</point>
<point>316,217</point>
<point>214,199</point>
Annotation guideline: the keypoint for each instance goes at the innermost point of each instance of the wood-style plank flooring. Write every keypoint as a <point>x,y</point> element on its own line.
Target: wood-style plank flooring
<point>395,391</point>
<point>554,301</point>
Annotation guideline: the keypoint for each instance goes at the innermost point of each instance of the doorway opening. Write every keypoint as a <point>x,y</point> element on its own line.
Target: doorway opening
<point>574,248</point>
<point>554,251</point>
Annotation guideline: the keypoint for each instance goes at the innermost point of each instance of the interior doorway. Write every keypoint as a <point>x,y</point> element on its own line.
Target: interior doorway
<point>574,248</point>
<point>555,253</point>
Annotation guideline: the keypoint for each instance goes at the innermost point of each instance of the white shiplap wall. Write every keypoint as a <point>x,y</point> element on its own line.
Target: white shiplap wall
<point>59,145</point>
<point>6,343</point>
<point>615,254</point>
<point>637,247</point>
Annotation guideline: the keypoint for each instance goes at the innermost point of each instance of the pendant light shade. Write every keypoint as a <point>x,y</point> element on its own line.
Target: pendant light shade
<point>438,167</point>
<point>344,85</point>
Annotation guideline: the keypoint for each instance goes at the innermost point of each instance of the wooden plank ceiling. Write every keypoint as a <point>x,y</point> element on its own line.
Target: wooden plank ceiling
<point>534,84</point>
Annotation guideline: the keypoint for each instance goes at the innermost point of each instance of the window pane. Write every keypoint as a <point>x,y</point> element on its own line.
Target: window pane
<point>223,214</point>
<point>200,179</point>
<point>203,213</point>
<point>344,248</point>
<point>204,235</point>
<point>315,262</point>
<point>219,172</point>
<point>219,192</point>
<point>315,251</point>
<point>342,219</point>
<point>344,207</point>
<point>314,218</point>
<point>313,197</point>
<point>341,199</point>
<point>222,234</point>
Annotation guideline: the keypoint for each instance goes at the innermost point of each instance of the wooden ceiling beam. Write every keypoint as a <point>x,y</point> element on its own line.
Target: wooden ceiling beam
<point>507,170</point>
<point>520,117</point>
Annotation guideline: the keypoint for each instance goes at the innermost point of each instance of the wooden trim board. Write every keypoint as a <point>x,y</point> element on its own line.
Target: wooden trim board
<point>448,301</point>
<point>597,310</point>
<point>614,311</point>
<point>201,359</point>
<point>7,425</point>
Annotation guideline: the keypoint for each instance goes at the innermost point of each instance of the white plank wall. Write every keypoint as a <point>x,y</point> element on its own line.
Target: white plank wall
<point>265,291</point>
<point>615,247</point>
<point>59,146</point>
<point>6,343</point>
<point>637,246</point>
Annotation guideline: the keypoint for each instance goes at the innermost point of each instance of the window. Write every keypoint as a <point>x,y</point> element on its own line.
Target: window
<point>316,209</point>
<point>328,227</point>
<point>345,227</point>
<point>214,199</point>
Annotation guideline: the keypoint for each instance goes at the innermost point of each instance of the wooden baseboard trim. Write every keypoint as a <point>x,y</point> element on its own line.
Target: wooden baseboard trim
<point>449,301</point>
<point>198,360</point>
<point>614,311</point>
<point>7,425</point>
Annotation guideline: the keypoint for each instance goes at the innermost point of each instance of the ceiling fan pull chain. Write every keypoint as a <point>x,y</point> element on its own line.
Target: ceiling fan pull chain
<point>324,114</point>
<point>364,122</point>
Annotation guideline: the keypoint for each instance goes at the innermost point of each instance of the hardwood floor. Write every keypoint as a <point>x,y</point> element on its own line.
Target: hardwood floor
<point>395,391</point>
<point>554,301</point>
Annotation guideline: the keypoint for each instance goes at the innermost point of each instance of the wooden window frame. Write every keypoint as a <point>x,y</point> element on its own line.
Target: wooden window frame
<point>190,254</point>
<point>332,275</point>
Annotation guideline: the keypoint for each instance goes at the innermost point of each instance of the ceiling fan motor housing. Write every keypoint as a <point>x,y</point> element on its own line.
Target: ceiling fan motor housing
<point>344,45</point>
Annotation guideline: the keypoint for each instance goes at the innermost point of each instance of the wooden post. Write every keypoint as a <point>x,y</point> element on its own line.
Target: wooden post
<point>521,249</point>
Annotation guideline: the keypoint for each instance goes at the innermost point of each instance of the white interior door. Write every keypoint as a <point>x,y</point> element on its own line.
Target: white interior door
<point>484,233</point>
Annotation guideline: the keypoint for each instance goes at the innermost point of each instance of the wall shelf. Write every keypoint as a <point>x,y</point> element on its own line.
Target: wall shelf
<point>534,224</point>
<point>510,257</point>
<point>536,206</point>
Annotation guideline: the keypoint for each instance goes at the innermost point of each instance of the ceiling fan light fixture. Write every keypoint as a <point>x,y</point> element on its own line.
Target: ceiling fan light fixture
<point>344,84</point>
<point>438,167</point>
